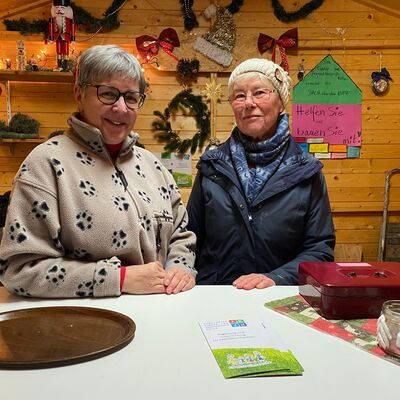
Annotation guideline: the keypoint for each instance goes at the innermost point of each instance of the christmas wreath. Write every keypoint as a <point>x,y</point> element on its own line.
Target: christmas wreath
<point>284,16</point>
<point>81,17</point>
<point>197,108</point>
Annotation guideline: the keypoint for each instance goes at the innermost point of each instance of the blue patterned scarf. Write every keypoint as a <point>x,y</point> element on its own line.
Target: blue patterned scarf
<point>266,156</point>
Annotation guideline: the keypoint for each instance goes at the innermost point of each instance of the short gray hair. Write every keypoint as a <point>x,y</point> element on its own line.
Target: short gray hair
<point>101,62</point>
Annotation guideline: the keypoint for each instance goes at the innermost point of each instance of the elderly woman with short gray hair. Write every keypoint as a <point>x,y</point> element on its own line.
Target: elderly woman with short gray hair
<point>91,213</point>
<point>259,205</point>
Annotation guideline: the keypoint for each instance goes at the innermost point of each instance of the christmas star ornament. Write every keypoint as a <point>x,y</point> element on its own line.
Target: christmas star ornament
<point>212,91</point>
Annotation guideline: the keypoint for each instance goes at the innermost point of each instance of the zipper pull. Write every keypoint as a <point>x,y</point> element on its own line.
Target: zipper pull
<point>122,177</point>
<point>158,236</point>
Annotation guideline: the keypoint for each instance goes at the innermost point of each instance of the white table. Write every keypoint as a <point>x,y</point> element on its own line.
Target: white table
<point>169,357</point>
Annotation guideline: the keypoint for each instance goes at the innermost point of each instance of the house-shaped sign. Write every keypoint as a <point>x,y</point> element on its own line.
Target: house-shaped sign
<point>326,112</point>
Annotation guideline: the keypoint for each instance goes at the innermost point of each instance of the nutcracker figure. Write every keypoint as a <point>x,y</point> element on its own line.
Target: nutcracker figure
<point>62,30</point>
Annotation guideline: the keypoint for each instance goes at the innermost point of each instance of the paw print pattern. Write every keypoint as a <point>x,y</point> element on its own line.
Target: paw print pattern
<point>57,167</point>
<point>116,179</point>
<point>138,156</point>
<point>139,171</point>
<point>145,221</point>
<point>52,143</point>
<point>40,210</point>
<point>24,168</point>
<point>21,292</point>
<point>85,289</point>
<point>81,253</point>
<point>115,263</point>
<point>17,233</point>
<point>57,242</point>
<point>84,158</point>
<point>119,239</point>
<point>121,203</point>
<point>172,188</point>
<point>182,261</point>
<point>144,196</point>
<point>55,275</point>
<point>3,265</point>
<point>164,192</point>
<point>84,220</point>
<point>87,188</point>
<point>95,146</point>
<point>100,276</point>
<point>158,165</point>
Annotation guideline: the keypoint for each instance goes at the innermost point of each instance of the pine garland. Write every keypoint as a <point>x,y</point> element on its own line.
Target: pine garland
<point>284,16</point>
<point>81,17</point>
<point>190,19</point>
<point>186,100</point>
<point>21,126</point>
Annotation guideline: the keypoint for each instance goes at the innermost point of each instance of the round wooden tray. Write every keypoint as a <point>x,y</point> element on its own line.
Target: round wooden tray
<point>47,337</point>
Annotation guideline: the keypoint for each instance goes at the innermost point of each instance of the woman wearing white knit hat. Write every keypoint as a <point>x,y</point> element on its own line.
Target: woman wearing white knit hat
<point>259,205</point>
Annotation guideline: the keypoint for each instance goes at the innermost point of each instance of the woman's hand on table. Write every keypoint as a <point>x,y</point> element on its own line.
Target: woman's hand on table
<point>144,279</point>
<point>253,281</point>
<point>178,280</point>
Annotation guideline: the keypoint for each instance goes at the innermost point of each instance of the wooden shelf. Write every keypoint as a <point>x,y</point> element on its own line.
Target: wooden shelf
<point>11,140</point>
<point>11,143</point>
<point>36,76</point>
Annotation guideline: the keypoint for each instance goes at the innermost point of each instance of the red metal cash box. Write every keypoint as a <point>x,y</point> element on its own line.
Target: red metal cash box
<point>349,290</point>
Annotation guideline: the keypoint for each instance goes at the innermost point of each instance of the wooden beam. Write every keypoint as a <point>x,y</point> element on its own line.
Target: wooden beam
<point>394,10</point>
<point>27,7</point>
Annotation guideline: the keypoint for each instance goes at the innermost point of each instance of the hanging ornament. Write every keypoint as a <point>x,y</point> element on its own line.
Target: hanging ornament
<point>188,70</point>
<point>289,39</point>
<point>212,91</point>
<point>380,81</point>
<point>218,43</point>
<point>189,17</point>
<point>148,46</point>
<point>300,72</point>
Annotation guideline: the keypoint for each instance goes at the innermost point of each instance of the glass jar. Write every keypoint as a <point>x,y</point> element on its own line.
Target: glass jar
<point>388,334</point>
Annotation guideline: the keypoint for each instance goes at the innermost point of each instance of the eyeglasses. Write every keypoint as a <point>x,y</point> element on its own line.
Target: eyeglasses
<point>258,95</point>
<point>110,95</point>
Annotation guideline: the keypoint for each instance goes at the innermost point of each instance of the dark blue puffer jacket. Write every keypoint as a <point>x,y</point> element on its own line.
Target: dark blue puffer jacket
<point>288,222</point>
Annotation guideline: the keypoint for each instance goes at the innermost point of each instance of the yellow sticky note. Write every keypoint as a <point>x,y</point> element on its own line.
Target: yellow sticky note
<point>318,148</point>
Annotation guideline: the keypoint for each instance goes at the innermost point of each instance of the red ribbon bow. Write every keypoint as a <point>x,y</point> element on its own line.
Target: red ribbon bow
<point>149,46</point>
<point>287,40</point>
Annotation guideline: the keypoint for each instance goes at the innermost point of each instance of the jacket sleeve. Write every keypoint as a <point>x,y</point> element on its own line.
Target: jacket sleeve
<point>319,235</point>
<point>182,243</point>
<point>32,255</point>
<point>196,212</point>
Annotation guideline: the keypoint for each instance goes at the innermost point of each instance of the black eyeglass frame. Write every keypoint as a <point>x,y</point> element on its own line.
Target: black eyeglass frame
<point>123,94</point>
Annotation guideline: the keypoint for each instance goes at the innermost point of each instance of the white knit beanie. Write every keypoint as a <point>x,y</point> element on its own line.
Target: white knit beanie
<point>279,78</point>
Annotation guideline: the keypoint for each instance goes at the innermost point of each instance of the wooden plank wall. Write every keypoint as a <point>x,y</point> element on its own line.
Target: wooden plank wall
<point>360,39</point>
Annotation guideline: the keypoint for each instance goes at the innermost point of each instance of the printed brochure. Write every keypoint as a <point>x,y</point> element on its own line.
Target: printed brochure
<point>245,348</point>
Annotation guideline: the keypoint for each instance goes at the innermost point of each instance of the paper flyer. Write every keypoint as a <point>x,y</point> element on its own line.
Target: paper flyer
<point>179,165</point>
<point>245,348</point>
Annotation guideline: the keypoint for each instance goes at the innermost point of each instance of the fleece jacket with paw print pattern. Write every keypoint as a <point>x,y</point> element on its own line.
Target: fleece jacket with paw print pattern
<point>75,217</point>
